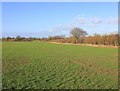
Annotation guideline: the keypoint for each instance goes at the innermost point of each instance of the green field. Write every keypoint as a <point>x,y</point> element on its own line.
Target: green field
<point>42,65</point>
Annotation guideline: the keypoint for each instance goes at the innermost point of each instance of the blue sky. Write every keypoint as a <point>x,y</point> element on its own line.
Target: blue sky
<point>42,19</point>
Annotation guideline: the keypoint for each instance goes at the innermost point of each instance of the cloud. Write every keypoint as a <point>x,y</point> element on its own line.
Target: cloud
<point>27,34</point>
<point>60,28</point>
<point>112,20</point>
<point>90,20</point>
<point>83,22</point>
<point>92,25</point>
<point>96,20</point>
<point>80,19</point>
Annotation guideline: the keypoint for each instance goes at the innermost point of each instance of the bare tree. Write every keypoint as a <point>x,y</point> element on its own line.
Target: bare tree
<point>77,33</point>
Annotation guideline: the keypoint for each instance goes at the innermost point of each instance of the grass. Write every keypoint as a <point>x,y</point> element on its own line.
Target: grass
<point>42,65</point>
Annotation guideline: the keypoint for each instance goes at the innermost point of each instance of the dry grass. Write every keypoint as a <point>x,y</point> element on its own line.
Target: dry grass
<point>104,46</point>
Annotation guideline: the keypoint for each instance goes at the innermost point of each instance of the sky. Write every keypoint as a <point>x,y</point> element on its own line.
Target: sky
<point>43,19</point>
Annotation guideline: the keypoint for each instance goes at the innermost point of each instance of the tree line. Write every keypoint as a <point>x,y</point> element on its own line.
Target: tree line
<point>109,40</point>
<point>78,36</point>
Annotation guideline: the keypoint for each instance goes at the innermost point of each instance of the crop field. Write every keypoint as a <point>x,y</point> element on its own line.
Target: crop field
<point>43,65</point>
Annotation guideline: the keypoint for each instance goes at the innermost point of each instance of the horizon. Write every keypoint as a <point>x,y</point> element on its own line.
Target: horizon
<point>43,19</point>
